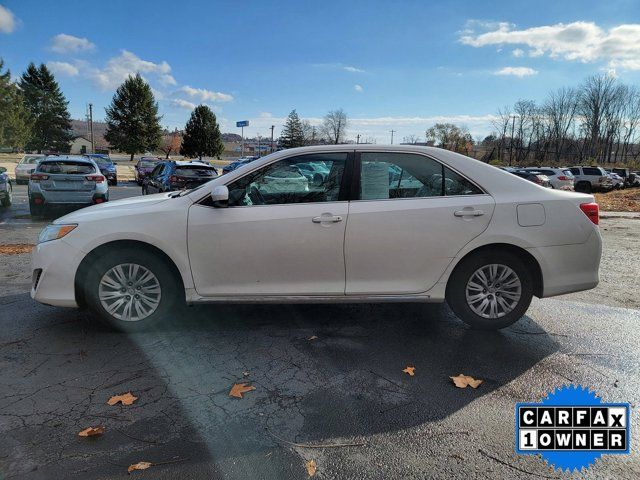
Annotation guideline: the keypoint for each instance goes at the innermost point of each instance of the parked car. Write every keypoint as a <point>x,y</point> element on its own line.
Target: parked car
<point>144,167</point>
<point>173,175</point>
<point>315,172</point>
<point>627,175</point>
<point>6,189</point>
<point>238,163</point>
<point>533,176</point>
<point>617,181</point>
<point>591,179</point>
<point>636,181</point>
<point>25,166</point>
<point>106,166</point>
<point>486,244</point>
<point>560,178</point>
<point>66,180</point>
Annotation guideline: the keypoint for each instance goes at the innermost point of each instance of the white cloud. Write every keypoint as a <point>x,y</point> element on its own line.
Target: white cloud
<point>516,71</point>
<point>352,69</point>
<point>206,95</point>
<point>167,79</point>
<point>358,88</point>
<point>119,68</point>
<point>183,104</point>
<point>63,68</point>
<point>518,52</point>
<point>63,43</point>
<point>8,21</point>
<point>577,41</point>
<point>266,115</point>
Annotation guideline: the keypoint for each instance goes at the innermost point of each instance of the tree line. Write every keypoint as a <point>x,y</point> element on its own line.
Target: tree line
<point>598,121</point>
<point>299,133</point>
<point>34,116</point>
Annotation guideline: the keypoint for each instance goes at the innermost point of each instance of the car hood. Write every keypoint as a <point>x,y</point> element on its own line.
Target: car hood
<point>122,207</point>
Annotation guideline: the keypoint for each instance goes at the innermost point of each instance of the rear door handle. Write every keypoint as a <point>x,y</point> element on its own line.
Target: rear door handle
<point>468,213</point>
<point>327,219</point>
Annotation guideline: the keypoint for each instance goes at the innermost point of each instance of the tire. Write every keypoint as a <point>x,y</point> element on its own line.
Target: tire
<point>6,201</point>
<point>36,210</point>
<point>466,272</point>
<point>102,280</point>
<point>144,190</point>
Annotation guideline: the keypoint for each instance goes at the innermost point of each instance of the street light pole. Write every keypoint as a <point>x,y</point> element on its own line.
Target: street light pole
<point>242,142</point>
<point>358,139</point>
<point>272,127</point>
<point>392,132</point>
<point>93,147</point>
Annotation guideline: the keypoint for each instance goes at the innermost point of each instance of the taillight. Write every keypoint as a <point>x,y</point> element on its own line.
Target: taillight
<point>95,178</point>
<point>563,178</point>
<point>537,180</point>
<point>36,177</point>
<point>591,210</point>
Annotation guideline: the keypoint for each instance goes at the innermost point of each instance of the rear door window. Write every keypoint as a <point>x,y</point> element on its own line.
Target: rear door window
<point>67,167</point>
<point>593,171</point>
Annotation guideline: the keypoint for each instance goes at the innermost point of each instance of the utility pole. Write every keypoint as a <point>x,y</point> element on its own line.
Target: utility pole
<point>392,132</point>
<point>513,124</point>
<point>272,127</point>
<point>242,142</point>
<point>358,138</point>
<point>259,145</point>
<point>93,146</point>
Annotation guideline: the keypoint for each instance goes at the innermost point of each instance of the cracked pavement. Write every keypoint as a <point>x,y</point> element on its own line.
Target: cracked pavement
<point>58,368</point>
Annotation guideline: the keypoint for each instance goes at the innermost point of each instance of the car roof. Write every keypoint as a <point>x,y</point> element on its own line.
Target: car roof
<point>187,163</point>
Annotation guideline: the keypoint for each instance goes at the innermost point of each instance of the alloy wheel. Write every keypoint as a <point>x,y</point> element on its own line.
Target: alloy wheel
<point>129,292</point>
<point>493,291</point>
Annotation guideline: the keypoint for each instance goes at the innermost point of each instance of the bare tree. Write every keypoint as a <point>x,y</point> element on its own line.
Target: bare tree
<point>334,126</point>
<point>560,113</point>
<point>411,139</point>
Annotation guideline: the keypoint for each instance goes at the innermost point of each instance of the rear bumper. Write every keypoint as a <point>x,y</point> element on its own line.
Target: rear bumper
<point>569,268</point>
<point>54,266</point>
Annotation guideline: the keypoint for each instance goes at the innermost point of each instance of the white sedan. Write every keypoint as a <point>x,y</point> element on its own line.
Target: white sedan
<point>388,224</point>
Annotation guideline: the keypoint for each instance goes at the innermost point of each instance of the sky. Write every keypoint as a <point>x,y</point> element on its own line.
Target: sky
<point>391,65</point>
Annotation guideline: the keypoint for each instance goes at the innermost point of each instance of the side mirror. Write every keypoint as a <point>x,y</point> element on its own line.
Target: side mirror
<point>220,196</point>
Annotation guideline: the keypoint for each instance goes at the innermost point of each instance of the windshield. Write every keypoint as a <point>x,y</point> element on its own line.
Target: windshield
<point>148,163</point>
<point>195,171</point>
<point>68,167</point>
<point>30,160</point>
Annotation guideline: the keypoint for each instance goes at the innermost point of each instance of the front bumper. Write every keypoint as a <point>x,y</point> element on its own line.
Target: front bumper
<point>54,266</point>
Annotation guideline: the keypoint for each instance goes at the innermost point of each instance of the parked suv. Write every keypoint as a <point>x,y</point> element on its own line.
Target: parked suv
<point>144,167</point>
<point>560,178</point>
<point>106,166</point>
<point>177,175</point>
<point>627,175</point>
<point>591,179</point>
<point>25,167</point>
<point>63,180</point>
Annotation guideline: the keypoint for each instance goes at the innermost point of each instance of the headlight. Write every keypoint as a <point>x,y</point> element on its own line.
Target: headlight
<point>54,232</point>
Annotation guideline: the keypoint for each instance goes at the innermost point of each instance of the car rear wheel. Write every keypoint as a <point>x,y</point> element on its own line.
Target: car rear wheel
<point>6,201</point>
<point>36,210</point>
<point>132,290</point>
<point>489,291</point>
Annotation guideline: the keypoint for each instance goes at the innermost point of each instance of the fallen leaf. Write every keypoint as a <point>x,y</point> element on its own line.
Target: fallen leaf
<point>410,370</point>
<point>313,337</point>
<point>92,431</point>
<point>311,467</point>
<point>245,374</point>
<point>15,248</point>
<point>139,466</point>
<point>125,399</point>
<point>462,381</point>
<point>239,388</point>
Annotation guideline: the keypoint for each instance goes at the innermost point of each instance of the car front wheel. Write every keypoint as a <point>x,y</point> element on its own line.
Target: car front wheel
<point>489,291</point>
<point>132,290</point>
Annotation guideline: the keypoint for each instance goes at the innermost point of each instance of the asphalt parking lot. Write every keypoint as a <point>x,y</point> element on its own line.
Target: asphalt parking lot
<point>328,381</point>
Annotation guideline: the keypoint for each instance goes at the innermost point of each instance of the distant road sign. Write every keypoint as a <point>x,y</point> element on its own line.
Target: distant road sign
<point>243,123</point>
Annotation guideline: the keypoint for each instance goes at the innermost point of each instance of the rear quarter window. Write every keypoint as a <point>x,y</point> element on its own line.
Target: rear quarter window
<point>66,168</point>
<point>195,171</point>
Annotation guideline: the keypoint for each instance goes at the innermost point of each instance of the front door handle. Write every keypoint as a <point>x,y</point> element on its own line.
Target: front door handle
<point>327,218</point>
<point>468,213</point>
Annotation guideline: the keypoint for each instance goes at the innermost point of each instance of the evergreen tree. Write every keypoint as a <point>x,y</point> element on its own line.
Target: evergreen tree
<point>47,107</point>
<point>133,123</point>
<point>292,134</point>
<point>202,135</point>
<point>15,122</point>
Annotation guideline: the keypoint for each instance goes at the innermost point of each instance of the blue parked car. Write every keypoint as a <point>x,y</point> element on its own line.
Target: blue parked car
<point>238,163</point>
<point>177,175</point>
<point>106,166</point>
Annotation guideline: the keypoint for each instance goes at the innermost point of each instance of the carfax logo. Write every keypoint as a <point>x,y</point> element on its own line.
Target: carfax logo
<point>572,427</point>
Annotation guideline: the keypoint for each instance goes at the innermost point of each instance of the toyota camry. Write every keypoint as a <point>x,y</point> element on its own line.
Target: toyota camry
<point>386,224</point>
